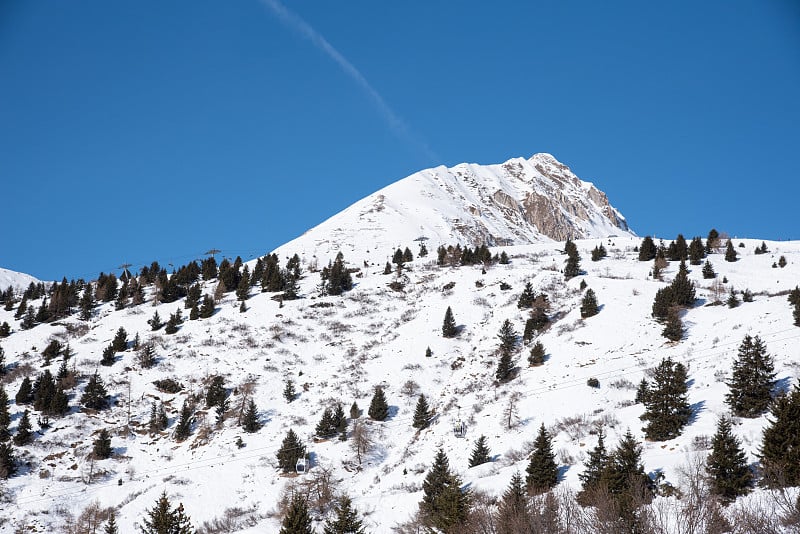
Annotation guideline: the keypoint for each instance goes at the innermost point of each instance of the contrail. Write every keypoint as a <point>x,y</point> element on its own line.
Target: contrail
<point>396,124</point>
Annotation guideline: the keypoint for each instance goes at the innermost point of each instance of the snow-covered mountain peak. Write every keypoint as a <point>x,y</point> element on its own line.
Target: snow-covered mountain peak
<point>521,201</point>
<point>16,280</point>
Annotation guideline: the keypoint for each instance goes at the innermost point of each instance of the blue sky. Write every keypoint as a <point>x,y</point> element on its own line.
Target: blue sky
<point>134,131</point>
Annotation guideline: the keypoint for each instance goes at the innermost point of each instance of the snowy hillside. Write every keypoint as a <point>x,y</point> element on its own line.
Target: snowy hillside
<point>514,203</point>
<point>16,280</point>
<point>337,348</point>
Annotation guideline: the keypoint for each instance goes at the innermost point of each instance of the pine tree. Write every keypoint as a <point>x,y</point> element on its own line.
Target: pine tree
<point>589,305</point>
<point>172,323</point>
<point>297,519</point>
<point>184,426</point>
<point>696,251</point>
<point>155,322</point>
<point>708,271</point>
<point>326,427</point>
<point>346,520</point>
<point>207,308</point>
<point>667,408</point>
<point>733,300</point>
<point>43,391</point>
<point>730,252</point>
<point>537,355</point>
<point>355,411</point>
<point>572,266</point>
<point>111,524</point>
<point>796,314</point>
<point>596,465</point>
<point>449,326</point>
<point>158,417</point>
<point>712,241</point>
<point>647,250</point>
<point>25,392</point>
<point>250,422</point>
<point>86,303</point>
<point>780,443</point>
<point>683,292</point>
<point>5,416</point>
<point>291,450</point>
<point>527,297</point>
<point>59,404</point>
<point>102,445</point>
<point>480,453</point>
<point>288,390</point>
<point>752,379</point>
<point>162,519</point>
<point>542,471</point>
<point>8,462</point>
<point>727,463</point>
<point>94,394</point>
<point>422,414</point>
<point>378,408</point>
<point>508,343</point>
<point>5,329</point>
<point>120,341</point>
<point>24,434</point>
<point>444,505</point>
<point>662,303</point>
<point>216,391</point>
<point>513,510</point>
<point>388,268</point>
<point>625,478</point>
<point>108,356</point>
<point>673,330</point>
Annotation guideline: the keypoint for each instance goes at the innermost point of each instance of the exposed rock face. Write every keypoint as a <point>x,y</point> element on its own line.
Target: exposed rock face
<point>520,201</point>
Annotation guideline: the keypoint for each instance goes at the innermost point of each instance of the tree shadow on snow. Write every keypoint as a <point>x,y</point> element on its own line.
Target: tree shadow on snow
<point>562,472</point>
<point>782,386</point>
<point>696,408</point>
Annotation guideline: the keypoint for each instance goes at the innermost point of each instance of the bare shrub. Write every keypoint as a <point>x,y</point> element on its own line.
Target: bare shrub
<point>232,520</point>
<point>89,521</point>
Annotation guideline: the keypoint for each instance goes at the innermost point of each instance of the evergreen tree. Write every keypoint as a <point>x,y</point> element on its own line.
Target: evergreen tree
<point>542,469</point>
<point>173,322</point>
<point>29,321</point>
<point>162,519</point>
<point>158,418</point>
<point>449,326</point>
<point>25,392</point>
<point>536,357</point>
<point>589,305</point>
<point>24,433</point>
<point>444,505</point>
<point>596,465</point>
<point>388,268</point>
<point>625,478</point>
<point>752,379</point>
<point>59,404</point>
<point>378,408</point>
<point>683,292</point>
<point>288,390</point>
<point>508,343</point>
<point>355,411</point>
<point>796,314</point>
<point>667,408</point>
<point>572,266</point>
<point>43,391</point>
<point>8,463</point>
<point>326,426</point>
<point>527,297</point>
<point>780,443</point>
<point>423,250</point>
<point>216,392</point>
<point>730,252</point>
<point>647,250</point>
<point>5,329</point>
<point>733,300</point>
<point>708,271</point>
<point>111,524</point>
<point>696,251</point>
<point>108,356</point>
<point>297,519</point>
<point>184,426</point>
<point>727,464</point>
<point>673,330</point>
<point>207,308</point>
<point>291,450</point>
<point>102,445</point>
<point>51,351</point>
<point>94,394</point>
<point>346,520</point>
<point>513,510</point>
<point>504,258</point>
<point>480,453</point>
<point>155,322</point>
<point>422,414</point>
<point>662,303</point>
<point>5,416</point>
<point>250,422</point>
<point>86,303</point>
<point>120,342</point>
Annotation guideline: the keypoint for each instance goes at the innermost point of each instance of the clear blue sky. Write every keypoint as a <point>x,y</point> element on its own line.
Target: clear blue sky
<point>134,131</point>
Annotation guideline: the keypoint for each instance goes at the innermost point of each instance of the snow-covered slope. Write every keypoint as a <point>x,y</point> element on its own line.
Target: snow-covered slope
<point>16,280</point>
<point>517,202</point>
<point>339,348</point>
